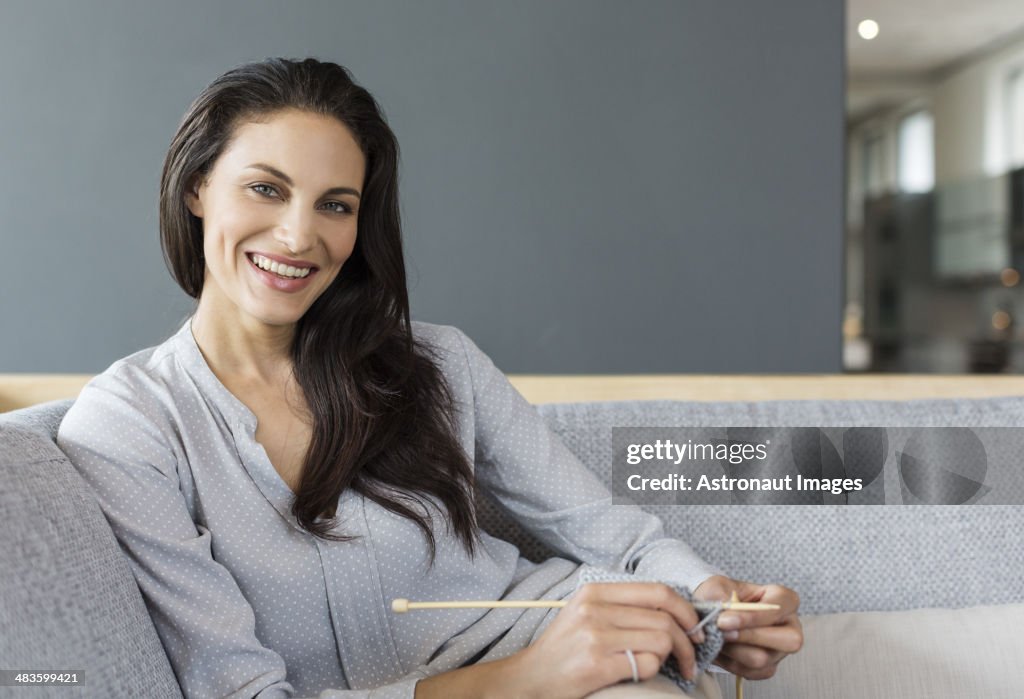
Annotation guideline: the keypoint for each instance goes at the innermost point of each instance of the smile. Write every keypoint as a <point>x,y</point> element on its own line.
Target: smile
<point>280,277</point>
<point>283,271</point>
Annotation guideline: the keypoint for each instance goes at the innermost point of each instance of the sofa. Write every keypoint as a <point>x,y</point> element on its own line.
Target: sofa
<point>896,600</point>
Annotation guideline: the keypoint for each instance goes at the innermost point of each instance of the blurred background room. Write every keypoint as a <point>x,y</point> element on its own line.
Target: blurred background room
<point>935,187</point>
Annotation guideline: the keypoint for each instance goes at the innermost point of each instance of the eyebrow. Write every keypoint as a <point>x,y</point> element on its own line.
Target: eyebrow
<point>288,180</point>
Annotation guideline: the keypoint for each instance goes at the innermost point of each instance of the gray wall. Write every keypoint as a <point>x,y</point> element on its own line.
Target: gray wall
<point>588,186</point>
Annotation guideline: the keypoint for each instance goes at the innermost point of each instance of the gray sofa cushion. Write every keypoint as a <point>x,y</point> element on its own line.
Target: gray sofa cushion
<point>68,600</point>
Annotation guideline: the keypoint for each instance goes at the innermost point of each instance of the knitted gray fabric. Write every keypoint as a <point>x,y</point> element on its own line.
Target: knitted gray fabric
<point>706,652</point>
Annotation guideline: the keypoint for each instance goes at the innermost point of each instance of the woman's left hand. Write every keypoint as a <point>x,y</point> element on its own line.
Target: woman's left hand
<point>755,641</point>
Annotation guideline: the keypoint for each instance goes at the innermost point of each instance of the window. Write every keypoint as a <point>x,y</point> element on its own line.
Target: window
<point>1015,117</point>
<point>916,160</point>
<point>873,172</point>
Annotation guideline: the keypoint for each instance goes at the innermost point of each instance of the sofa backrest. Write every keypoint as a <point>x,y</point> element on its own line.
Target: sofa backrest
<point>838,557</point>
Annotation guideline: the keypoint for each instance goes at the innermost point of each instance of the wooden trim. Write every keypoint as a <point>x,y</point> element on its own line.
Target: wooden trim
<point>758,387</point>
<point>21,390</point>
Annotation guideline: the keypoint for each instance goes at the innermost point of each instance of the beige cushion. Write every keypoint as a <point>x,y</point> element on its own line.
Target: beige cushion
<point>921,654</point>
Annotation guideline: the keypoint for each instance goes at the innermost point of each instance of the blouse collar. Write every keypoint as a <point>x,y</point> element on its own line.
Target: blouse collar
<point>233,410</point>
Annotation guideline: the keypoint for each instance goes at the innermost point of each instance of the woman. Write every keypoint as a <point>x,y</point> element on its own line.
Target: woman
<point>274,469</point>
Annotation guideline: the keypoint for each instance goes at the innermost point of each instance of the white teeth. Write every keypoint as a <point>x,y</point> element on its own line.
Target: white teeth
<point>279,269</point>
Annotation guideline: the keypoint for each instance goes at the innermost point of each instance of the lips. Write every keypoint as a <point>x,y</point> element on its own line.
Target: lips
<point>276,281</point>
<point>298,264</point>
<point>283,270</point>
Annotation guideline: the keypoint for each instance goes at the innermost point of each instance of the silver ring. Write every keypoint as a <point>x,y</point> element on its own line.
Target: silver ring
<point>632,665</point>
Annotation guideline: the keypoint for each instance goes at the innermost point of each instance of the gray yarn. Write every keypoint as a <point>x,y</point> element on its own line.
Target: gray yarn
<point>706,652</point>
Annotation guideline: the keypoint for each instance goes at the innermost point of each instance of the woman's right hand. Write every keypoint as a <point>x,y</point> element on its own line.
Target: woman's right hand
<point>583,649</point>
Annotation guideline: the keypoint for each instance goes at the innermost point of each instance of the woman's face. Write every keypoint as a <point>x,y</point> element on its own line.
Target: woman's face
<point>279,210</point>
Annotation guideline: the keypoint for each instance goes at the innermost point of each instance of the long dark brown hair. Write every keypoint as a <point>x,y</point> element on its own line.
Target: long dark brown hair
<point>383,415</point>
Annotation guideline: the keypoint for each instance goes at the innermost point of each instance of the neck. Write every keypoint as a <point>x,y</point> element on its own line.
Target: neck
<point>246,350</point>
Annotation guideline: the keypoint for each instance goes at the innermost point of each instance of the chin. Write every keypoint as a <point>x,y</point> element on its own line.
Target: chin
<point>278,316</point>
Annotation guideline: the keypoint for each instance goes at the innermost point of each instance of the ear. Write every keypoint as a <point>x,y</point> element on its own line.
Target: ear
<point>192,200</point>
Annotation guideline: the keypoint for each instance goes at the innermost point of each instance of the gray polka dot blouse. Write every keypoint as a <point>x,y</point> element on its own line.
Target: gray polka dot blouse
<point>247,604</point>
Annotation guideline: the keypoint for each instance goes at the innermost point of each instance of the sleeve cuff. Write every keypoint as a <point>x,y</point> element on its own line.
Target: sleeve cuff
<point>676,562</point>
<point>404,688</point>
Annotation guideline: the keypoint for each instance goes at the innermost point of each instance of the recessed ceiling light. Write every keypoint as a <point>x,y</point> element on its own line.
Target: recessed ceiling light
<point>868,29</point>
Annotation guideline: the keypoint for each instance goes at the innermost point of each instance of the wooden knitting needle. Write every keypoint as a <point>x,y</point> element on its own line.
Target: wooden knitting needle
<point>402,605</point>
<point>739,679</point>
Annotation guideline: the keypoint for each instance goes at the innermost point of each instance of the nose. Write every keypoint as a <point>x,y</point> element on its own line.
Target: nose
<point>296,230</point>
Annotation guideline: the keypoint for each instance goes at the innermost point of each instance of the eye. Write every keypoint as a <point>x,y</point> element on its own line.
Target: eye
<point>264,189</point>
<point>339,207</point>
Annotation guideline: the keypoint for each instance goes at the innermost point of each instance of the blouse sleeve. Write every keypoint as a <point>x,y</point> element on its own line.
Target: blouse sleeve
<point>533,475</point>
<point>118,443</point>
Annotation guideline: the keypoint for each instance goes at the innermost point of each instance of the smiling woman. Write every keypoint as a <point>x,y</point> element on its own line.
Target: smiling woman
<point>300,452</point>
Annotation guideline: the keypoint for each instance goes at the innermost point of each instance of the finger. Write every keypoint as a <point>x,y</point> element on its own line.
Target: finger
<point>752,656</point>
<point>744,671</point>
<point>733,621</point>
<point>647,665</point>
<point>717,587</point>
<point>625,617</point>
<point>656,642</point>
<point>622,616</point>
<point>787,600</point>
<point>786,637</point>
<point>641,594</point>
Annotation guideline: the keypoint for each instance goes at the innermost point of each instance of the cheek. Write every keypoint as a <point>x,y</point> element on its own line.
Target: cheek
<point>234,225</point>
<point>343,245</point>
